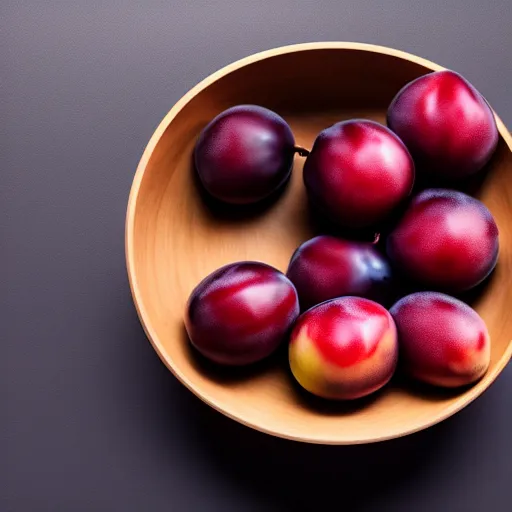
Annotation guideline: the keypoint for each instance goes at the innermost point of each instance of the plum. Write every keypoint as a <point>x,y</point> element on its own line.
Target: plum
<point>240,313</point>
<point>344,348</point>
<point>446,124</point>
<point>446,240</point>
<point>443,341</point>
<point>327,267</point>
<point>357,173</point>
<point>244,154</point>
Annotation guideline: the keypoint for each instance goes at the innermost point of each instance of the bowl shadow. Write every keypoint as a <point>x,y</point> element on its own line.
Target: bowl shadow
<point>235,213</point>
<point>471,185</point>
<point>232,374</point>
<point>331,407</point>
<point>320,224</point>
<point>405,285</point>
<point>473,296</point>
<point>426,391</point>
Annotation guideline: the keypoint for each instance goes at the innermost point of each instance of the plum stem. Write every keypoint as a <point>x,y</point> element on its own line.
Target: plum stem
<point>301,151</point>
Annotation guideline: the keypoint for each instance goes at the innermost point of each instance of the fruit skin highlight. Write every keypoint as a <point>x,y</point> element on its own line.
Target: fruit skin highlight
<point>344,348</point>
<point>240,313</point>
<point>446,124</point>
<point>443,341</point>
<point>326,267</point>
<point>244,154</point>
<point>358,172</point>
<point>446,240</point>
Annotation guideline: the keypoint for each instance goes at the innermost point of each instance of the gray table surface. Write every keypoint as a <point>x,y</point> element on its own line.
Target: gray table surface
<point>94,421</point>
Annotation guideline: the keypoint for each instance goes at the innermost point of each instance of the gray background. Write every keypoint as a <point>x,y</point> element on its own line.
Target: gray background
<point>94,420</point>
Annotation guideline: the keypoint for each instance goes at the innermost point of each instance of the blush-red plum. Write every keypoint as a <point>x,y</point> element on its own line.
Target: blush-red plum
<point>344,348</point>
<point>357,173</point>
<point>442,340</point>
<point>446,124</point>
<point>446,240</point>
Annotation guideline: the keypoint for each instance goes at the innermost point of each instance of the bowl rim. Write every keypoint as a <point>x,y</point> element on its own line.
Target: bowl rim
<point>151,334</point>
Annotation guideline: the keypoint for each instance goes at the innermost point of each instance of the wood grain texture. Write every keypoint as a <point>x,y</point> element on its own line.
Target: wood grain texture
<point>174,238</point>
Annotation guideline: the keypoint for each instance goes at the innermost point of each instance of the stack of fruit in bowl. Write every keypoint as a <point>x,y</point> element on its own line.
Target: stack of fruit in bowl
<point>339,306</point>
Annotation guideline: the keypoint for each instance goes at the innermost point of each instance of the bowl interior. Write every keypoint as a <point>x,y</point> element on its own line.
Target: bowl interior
<point>175,238</point>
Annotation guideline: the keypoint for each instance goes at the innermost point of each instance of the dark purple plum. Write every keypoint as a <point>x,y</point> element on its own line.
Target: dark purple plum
<point>240,313</point>
<point>244,154</point>
<point>326,267</point>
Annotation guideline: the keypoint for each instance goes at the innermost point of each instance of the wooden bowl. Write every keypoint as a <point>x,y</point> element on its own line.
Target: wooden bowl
<point>174,238</point>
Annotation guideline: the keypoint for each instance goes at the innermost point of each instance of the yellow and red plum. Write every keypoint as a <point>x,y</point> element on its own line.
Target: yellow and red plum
<point>344,348</point>
<point>326,267</point>
<point>446,124</point>
<point>358,172</point>
<point>244,154</point>
<point>442,340</point>
<point>240,313</point>
<point>446,240</point>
